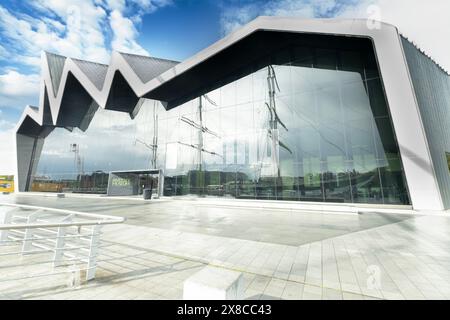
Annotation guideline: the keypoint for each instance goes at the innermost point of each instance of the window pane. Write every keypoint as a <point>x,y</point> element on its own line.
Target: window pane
<point>310,124</point>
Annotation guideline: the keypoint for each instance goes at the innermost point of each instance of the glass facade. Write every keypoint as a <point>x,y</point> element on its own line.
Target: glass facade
<point>305,123</point>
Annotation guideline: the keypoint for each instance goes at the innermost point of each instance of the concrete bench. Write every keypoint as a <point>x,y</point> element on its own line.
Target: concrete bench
<point>212,283</point>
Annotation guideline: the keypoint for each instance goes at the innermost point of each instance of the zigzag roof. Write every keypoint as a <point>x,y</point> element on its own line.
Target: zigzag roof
<point>78,87</point>
<point>117,86</point>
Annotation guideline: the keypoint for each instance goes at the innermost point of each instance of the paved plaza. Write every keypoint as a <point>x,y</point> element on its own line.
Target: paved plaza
<point>282,253</point>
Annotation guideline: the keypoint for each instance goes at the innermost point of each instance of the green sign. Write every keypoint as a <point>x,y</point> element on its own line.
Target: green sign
<point>120,182</point>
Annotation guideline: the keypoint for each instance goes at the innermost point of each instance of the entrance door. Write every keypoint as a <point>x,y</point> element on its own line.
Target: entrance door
<point>148,181</point>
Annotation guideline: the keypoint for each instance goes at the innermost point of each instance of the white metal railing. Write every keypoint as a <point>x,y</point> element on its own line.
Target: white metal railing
<point>64,238</point>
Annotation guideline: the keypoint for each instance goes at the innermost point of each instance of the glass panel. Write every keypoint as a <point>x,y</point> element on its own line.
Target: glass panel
<point>303,57</point>
<point>366,187</point>
<point>377,99</point>
<point>336,181</point>
<point>244,90</point>
<point>312,126</point>
<point>228,95</point>
<point>281,57</point>
<point>370,66</point>
<point>288,183</point>
<point>385,142</point>
<point>351,61</point>
<point>325,59</point>
<point>392,177</point>
<point>447,155</point>
<point>283,84</point>
<point>329,106</point>
<point>311,186</point>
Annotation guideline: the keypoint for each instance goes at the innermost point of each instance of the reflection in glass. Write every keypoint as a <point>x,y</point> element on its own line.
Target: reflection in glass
<point>313,125</point>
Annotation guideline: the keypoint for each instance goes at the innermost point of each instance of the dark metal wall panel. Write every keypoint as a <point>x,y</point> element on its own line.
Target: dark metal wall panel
<point>28,150</point>
<point>121,96</point>
<point>432,88</point>
<point>147,68</point>
<point>56,66</point>
<point>96,72</point>
<point>75,103</point>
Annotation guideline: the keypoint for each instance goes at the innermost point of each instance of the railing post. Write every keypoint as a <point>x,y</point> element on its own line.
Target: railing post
<point>28,238</point>
<point>6,215</point>
<point>60,242</point>
<point>93,251</point>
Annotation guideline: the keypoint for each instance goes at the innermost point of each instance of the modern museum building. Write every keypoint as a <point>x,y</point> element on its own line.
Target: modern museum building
<point>336,111</point>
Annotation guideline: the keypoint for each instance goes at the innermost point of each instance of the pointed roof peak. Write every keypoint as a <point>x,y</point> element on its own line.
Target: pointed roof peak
<point>147,68</point>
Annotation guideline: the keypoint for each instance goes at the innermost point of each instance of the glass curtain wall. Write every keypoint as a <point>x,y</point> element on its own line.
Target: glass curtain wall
<point>307,124</point>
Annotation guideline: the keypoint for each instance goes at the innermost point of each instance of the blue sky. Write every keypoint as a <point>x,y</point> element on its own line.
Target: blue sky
<point>173,29</point>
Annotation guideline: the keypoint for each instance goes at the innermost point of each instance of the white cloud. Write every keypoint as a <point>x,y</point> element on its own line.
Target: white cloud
<point>14,83</point>
<point>7,165</point>
<point>149,6</point>
<point>116,4</point>
<point>4,54</point>
<point>80,38</point>
<point>234,17</point>
<point>17,90</point>
<point>123,28</point>
<point>425,22</point>
<point>6,125</point>
<point>85,29</point>
<point>125,34</point>
<point>7,150</point>
<point>83,36</point>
